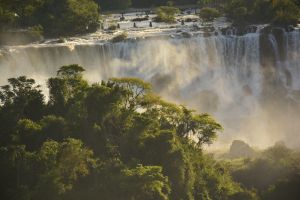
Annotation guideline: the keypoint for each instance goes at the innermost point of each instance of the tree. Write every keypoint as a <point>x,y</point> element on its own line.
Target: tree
<point>135,88</point>
<point>114,4</point>
<point>200,127</point>
<point>16,172</point>
<point>204,2</point>
<point>24,96</point>
<point>115,139</point>
<point>56,18</point>
<point>209,14</point>
<point>7,18</point>
<point>284,189</point>
<point>238,11</point>
<point>64,88</point>
<point>54,128</point>
<point>274,173</point>
<point>63,163</point>
<point>70,71</point>
<point>278,12</point>
<point>286,12</point>
<point>166,14</point>
<point>28,133</point>
<point>79,16</point>
<point>20,99</point>
<point>145,182</point>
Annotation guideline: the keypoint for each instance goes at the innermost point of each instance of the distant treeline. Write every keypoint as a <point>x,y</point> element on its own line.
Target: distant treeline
<point>63,17</point>
<point>278,12</point>
<point>54,18</point>
<point>50,17</point>
<point>120,4</point>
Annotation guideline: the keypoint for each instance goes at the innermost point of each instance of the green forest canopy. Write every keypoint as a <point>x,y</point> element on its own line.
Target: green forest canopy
<point>118,140</point>
<point>114,140</point>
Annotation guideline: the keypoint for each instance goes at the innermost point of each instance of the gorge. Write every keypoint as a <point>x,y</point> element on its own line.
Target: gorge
<point>250,83</point>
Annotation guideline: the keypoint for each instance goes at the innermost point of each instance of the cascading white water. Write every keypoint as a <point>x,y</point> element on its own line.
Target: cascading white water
<point>222,75</point>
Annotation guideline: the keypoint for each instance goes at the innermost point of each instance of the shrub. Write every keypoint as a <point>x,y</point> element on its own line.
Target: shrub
<point>37,30</point>
<point>279,12</point>
<point>112,27</point>
<point>209,14</point>
<point>7,18</point>
<point>286,12</point>
<point>119,38</point>
<point>166,14</point>
<point>68,17</point>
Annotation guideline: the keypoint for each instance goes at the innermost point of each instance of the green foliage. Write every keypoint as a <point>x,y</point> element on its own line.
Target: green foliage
<point>120,38</point>
<point>279,12</point>
<point>20,99</point>
<point>65,17</point>
<point>48,173</point>
<point>274,174</point>
<point>67,85</point>
<point>209,14</point>
<point>284,189</point>
<point>145,182</point>
<point>170,3</point>
<point>286,12</point>
<point>72,71</point>
<point>29,134</point>
<point>7,18</point>
<point>53,127</point>
<point>166,14</point>
<point>123,4</point>
<point>115,140</point>
<point>63,163</point>
<point>79,16</point>
<point>114,4</point>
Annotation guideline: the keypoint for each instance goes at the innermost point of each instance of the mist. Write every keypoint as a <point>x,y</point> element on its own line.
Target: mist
<point>255,98</point>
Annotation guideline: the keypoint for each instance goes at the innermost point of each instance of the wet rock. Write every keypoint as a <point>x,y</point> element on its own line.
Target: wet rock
<point>186,34</point>
<point>140,19</point>
<point>119,38</point>
<point>208,29</point>
<point>195,27</point>
<point>190,19</point>
<point>250,29</point>
<point>112,27</point>
<point>272,42</point>
<point>206,34</point>
<point>61,40</point>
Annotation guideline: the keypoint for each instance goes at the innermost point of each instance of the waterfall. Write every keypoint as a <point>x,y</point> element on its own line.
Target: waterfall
<point>221,75</point>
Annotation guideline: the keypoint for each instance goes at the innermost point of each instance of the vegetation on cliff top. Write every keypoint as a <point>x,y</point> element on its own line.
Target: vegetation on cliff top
<point>63,17</point>
<point>54,18</point>
<point>278,12</point>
